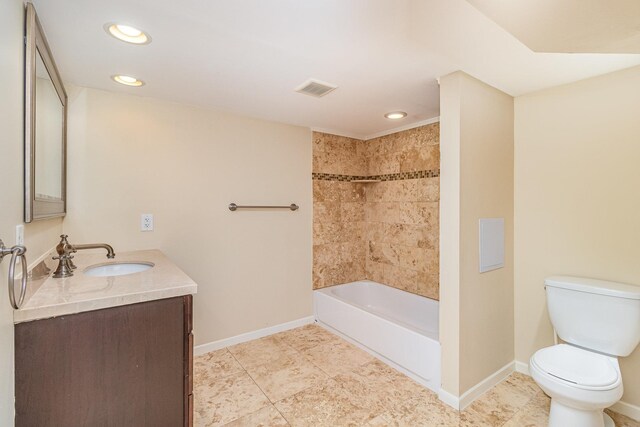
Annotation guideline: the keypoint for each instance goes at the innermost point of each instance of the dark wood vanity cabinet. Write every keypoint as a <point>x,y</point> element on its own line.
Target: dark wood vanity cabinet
<point>130,365</point>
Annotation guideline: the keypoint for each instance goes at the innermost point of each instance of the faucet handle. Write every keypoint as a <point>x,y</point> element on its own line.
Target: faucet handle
<point>62,248</point>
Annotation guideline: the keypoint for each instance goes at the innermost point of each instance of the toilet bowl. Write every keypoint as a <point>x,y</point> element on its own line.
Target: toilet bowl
<point>581,384</point>
<point>599,321</point>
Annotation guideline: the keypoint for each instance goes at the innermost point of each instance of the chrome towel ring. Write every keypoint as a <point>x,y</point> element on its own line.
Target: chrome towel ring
<point>16,252</point>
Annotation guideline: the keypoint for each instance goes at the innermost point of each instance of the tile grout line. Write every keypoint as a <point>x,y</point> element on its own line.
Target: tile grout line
<point>256,384</point>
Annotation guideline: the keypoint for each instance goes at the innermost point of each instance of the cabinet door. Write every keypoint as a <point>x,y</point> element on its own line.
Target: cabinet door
<point>122,366</point>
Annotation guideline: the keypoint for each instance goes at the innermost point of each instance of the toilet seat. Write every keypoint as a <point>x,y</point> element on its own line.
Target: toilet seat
<point>577,367</point>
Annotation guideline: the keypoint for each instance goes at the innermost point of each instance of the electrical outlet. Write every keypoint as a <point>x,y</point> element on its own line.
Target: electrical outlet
<point>146,222</point>
<point>20,234</point>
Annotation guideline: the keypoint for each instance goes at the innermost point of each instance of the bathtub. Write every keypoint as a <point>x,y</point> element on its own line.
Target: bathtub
<point>399,327</point>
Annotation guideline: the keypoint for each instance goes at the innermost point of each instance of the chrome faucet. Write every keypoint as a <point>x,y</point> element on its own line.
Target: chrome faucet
<point>66,250</point>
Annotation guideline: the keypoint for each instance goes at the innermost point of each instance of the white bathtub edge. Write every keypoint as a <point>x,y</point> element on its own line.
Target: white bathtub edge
<point>621,407</point>
<point>248,336</point>
<point>380,357</point>
<point>460,403</point>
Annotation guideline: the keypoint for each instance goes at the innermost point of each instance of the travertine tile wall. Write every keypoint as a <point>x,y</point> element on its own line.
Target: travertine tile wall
<point>386,231</point>
<point>402,216</point>
<point>338,211</point>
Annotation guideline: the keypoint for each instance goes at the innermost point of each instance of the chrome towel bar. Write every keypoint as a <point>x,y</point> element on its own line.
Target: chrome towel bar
<point>233,207</point>
<point>16,252</point>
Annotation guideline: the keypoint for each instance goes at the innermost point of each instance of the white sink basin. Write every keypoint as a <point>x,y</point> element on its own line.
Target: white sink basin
<point>117,268</point>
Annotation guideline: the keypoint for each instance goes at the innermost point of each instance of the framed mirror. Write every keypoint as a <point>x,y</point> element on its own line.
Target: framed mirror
<point>45,127</point>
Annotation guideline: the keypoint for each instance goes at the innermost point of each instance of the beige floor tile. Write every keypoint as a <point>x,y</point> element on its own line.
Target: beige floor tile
<point>421,412</point>
<point>529,417</point>
<point>265,417</point>
<point>306,337</point>
<point>469,418</point>
<point>323,406</point>
<point>524,383</point>
<point>286,376</point>
<point>221,401</point>
<point>621,420</point>
<point>501,403</point>
<point>293,369</point>
<point>378,421</point>
<point>393,385</point>
<point>258,352</point>
<point>214,365</point>
<point>337,357</point>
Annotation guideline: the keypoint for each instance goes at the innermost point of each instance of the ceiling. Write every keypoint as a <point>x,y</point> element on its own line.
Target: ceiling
<point>247,56</point>
<point>586,26</point>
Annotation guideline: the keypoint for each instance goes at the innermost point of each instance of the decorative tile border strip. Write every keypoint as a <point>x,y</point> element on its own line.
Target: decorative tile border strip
<point>433,173</point>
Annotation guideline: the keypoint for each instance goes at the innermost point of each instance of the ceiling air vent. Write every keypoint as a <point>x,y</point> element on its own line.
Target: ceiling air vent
<point>315,88</point>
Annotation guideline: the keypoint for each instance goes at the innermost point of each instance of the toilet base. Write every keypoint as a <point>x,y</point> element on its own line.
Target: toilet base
<point>562,416</point>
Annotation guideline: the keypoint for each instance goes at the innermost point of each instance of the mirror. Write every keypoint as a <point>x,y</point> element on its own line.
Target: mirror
<point>45,127</point>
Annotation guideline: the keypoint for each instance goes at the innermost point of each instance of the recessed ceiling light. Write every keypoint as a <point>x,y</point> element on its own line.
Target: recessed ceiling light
<point>396,115</point>
<point>127,80</point>
<point>127,33</point>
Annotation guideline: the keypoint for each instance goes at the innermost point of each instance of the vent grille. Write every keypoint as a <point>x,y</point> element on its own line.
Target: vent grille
<point>315,88</point>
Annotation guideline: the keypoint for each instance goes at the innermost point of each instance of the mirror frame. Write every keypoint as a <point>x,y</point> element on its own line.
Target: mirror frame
<point>40,208</point>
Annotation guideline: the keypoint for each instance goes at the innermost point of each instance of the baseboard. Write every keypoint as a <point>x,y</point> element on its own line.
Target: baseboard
<point>217,345</point>
<point>485,385</point>
<point>460,403</point>
<point>624,408</point>
<point>449,399</point>
<point>522,367</point>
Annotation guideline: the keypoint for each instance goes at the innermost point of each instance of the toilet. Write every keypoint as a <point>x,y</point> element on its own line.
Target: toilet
<point>598,321</point>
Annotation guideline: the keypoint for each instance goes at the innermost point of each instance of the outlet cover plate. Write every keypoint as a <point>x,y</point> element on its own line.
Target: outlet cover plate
<point>146,222</point>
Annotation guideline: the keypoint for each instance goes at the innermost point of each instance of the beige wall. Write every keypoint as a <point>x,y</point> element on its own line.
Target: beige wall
<point>130,155</point>
<point>477,182</point>
<point>577,154</point>
<point>39,236</point>
<point>383,231</point>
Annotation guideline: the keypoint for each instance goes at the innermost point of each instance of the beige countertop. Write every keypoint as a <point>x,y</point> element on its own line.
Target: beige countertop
<point>79,293</point>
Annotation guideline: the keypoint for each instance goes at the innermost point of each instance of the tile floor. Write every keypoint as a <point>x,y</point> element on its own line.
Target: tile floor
<point>310,377</point>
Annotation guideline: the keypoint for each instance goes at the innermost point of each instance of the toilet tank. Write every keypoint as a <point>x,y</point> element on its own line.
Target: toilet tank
<point>595,314</point>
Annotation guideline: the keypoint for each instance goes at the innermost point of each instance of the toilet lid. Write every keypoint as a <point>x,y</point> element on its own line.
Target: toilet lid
<point>577,366</point>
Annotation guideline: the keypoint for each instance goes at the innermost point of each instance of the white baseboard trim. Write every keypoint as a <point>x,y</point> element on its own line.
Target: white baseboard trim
<point>624,408</point>
<point>226,342</point>
<point>449,399</point>
<point>460,403</point>
<point>522,367</point>
<point>485,385</point>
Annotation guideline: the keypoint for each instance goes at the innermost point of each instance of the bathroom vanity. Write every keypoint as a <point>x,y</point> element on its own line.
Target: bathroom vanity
<point>107,350</point>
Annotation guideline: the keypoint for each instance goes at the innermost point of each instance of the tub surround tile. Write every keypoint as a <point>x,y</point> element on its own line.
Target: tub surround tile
<point>428,283</point>
<point>364,394</point>
<point>395,221</point>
